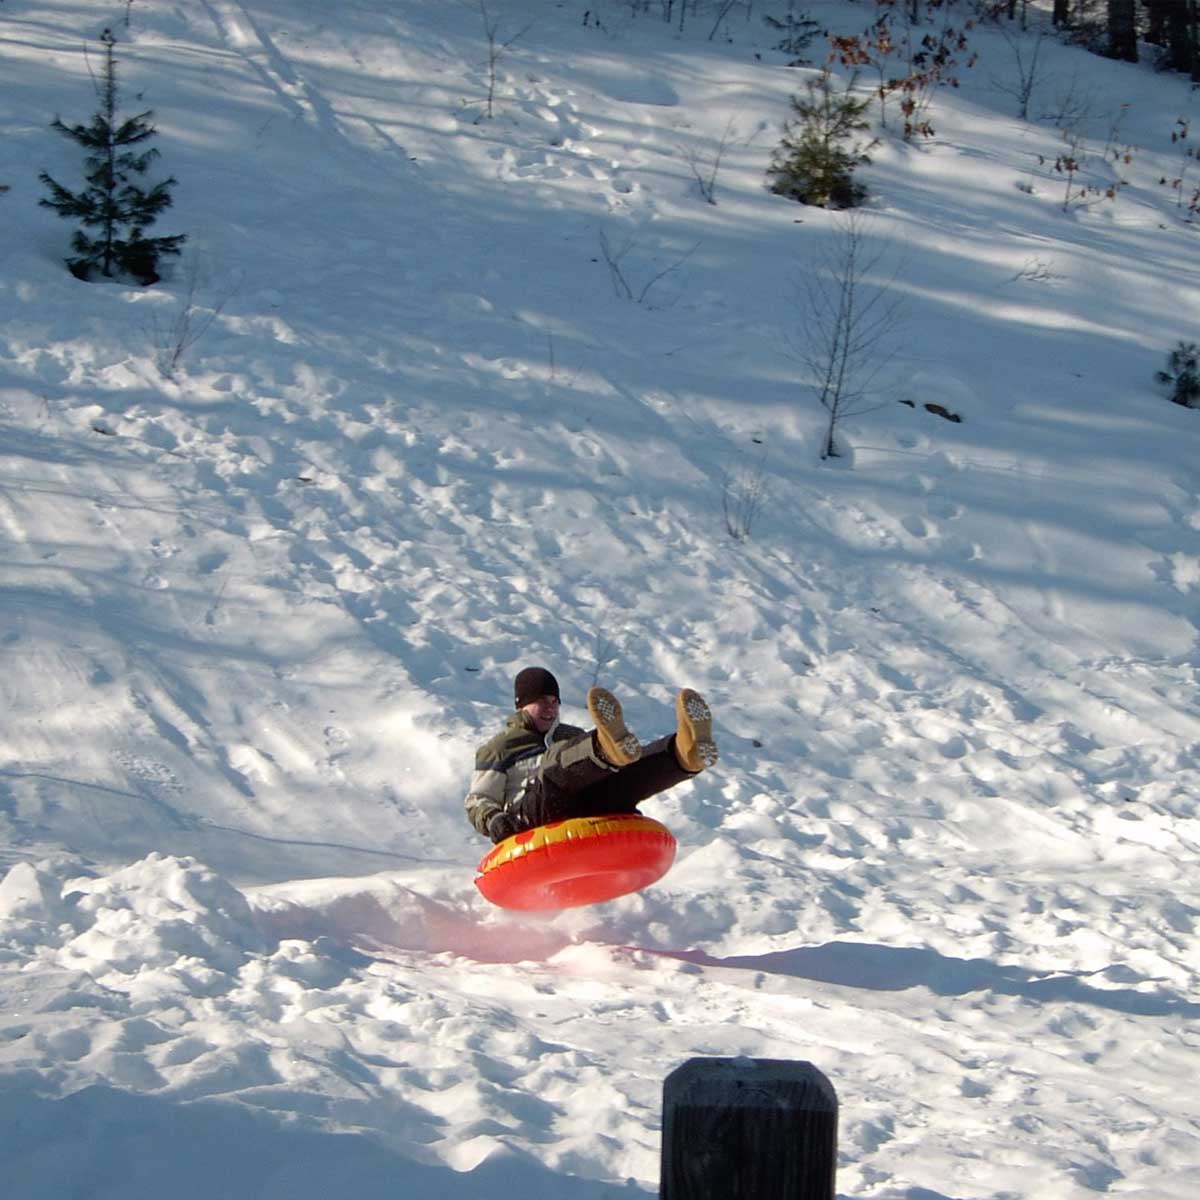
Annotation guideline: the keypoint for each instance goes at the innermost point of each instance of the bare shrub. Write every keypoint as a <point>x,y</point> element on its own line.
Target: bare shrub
<point>497,47</point>
<point>614,260</point>
<point>1027,58</point>
<point>705,165</point>
<point>744,492</point>
<point>850,326</point>
<point>172,336</point>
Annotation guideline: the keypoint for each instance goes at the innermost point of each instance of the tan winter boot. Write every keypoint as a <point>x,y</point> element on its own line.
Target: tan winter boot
<point>617,745</point>
<point>694,745</point>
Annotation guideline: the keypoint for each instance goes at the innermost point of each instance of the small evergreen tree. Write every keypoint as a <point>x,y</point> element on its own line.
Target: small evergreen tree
<point>113,203</point>
<point>1183,374</point>
<point>821,147</point>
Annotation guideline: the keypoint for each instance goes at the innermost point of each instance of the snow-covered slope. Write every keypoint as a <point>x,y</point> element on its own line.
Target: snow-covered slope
<point>255,616</point>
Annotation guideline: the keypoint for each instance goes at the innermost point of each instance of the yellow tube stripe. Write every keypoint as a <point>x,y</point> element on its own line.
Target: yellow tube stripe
<point>533,840</point>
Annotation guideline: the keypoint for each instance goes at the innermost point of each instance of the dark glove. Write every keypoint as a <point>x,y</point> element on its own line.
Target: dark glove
<point>502,825</point>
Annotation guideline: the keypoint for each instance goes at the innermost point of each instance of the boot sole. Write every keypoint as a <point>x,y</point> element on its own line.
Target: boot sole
<point>693,711</point>
<point>617,744</point>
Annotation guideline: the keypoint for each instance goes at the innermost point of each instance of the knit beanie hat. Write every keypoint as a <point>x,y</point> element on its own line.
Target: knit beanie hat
<point>532,683</point>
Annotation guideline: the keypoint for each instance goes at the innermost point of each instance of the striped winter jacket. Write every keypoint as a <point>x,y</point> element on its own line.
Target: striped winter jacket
<point>505,765</point>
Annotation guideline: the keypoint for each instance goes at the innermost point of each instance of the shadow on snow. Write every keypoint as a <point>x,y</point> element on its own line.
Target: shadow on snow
<point>107,1143</point>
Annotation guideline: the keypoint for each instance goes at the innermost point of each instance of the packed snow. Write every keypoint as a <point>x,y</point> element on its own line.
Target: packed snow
<point>468,393</point>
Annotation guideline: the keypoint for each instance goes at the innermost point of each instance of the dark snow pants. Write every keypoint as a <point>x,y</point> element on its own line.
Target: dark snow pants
<point>572,783</point>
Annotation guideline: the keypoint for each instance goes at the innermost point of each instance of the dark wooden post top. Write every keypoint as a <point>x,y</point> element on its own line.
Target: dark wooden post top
<point>748,1129</point>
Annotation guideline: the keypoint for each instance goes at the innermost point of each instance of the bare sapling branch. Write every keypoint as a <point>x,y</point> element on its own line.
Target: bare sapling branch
<point>1084,184</point>
<point>496,49</point>
<point>1073,104</point>
<point>704,166</point>
<point>723,7</point>
<point>744,492</point>
<point>1027,57</point>
<point>1188,154</point>
<point>852,319</point>
<point>1036,270</point>
<point>623,289</point>
<point>171,337</point>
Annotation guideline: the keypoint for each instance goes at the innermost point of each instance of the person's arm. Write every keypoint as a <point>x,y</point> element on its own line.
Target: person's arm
<point>486,797</point>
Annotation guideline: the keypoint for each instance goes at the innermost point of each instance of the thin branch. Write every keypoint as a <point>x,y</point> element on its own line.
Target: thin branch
<point>496,49</point>
<point>621,285</point>
<point>851,325</point>
<point>705,170</point>
<point>173,338</point>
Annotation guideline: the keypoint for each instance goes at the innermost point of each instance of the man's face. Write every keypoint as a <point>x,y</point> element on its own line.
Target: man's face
<point>543,711</point>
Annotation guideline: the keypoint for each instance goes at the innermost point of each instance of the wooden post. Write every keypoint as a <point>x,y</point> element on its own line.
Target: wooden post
<point>748,1129</point>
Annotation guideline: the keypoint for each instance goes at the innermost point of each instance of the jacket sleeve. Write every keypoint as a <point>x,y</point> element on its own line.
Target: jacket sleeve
<point>485,797</point>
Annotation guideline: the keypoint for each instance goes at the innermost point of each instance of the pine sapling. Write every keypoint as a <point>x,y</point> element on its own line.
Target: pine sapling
<point>113,203</point>
<point>822,146</point>
<point>1183,374</point>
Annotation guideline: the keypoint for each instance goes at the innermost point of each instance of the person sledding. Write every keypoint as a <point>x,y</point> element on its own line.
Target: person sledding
<point>537,770</point>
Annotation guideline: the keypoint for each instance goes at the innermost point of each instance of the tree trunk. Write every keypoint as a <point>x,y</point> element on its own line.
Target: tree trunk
<point>109,93</point>
<point>1193,25</point>
<point>1172,24</point>
<point>1122,30</point>
<point>1062,12</point>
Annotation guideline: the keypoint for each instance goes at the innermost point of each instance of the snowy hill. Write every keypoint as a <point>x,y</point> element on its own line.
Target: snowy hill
<point>471,392</point>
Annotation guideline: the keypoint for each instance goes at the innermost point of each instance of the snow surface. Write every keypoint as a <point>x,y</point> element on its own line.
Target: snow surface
<point>255,617</point>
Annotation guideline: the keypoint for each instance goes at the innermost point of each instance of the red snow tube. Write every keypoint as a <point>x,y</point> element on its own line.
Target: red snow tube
<point>581,861</point>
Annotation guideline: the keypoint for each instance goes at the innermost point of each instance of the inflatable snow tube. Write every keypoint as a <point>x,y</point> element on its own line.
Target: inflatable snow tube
<point>570,863</point>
